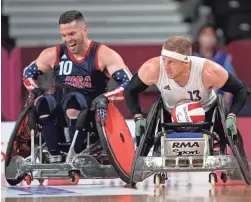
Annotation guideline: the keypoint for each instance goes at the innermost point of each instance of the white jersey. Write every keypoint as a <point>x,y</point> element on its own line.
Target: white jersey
<point>194,90</point>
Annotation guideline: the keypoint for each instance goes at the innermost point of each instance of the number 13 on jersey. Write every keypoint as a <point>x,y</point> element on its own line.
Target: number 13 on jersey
<point>194,95</point>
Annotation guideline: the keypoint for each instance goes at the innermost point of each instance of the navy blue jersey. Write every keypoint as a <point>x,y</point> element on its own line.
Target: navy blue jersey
<point>83,75</point>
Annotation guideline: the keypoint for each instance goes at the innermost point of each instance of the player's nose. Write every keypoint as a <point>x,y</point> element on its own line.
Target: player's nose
<point>68,41</point>
<point>167,68</point>
<point>68,38</point>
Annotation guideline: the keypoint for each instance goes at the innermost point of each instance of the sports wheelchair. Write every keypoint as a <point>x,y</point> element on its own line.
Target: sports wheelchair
<point>189,147</point>
<point>103,157</point>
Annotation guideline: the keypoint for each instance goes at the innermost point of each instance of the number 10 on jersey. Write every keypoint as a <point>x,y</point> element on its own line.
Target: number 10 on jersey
<point>65,67</point>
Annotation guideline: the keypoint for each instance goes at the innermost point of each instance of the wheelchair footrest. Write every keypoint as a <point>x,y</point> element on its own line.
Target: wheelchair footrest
<point>146,166</point>
<point>87,167</point>
<point>220,162</point>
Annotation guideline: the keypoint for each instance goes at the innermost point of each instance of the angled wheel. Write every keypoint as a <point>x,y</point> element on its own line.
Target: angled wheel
<point>147,139</point>
<point>116,140</point>
<point>19,143</point>
<point>236,145</point>
<point>239,152</point>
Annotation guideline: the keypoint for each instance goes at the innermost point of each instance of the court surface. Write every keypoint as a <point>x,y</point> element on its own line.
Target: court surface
<point>180,187</point>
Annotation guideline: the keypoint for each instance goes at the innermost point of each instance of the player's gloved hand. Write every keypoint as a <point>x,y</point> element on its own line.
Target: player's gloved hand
<point>100,103</point>
<point>140,126</point>
<point>231,124</point>
<point>36,92</point>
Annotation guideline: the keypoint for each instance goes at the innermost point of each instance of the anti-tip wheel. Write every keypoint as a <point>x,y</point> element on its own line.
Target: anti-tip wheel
<point>75,178</point>
<point>133,184</point>
<point>28,179</point>
<point>163,178</point>
<point>156,180</point>
<point>223,177</point>
<point>41,181</point>
<point>213,179</point>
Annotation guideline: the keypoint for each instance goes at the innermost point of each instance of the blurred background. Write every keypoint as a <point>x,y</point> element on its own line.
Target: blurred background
<point>136,29</point>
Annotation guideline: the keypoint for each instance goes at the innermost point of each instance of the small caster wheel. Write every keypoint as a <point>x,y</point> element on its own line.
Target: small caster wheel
<point>75,178</point>
<point>213,179</point>
<point>156,180</point>
<point>41,181</point>
<point>223,177</point>
<point>133,184</point>
<point>28,179</point>
<point>163,178</point>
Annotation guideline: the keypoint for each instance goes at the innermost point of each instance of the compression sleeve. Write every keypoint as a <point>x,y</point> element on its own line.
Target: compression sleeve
<point>240,93</point>
<point>131,94</point>
<point>122,77</point>
<point>30,75</point>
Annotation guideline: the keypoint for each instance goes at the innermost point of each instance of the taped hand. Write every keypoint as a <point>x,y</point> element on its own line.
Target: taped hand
<point>35,93</point>
<point>100,104</point>
<point>231,124</point>
<point>140,126</point>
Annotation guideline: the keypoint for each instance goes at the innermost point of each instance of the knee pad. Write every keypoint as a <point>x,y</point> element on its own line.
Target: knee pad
<point>44,107</point>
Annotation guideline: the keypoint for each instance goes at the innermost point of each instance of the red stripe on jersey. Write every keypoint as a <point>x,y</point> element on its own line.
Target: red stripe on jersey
<point>58,55</point>
<point>96,57</point>
<point>86,54</point>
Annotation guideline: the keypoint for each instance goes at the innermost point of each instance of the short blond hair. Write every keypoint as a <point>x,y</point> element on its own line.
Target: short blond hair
<point>178,44</point>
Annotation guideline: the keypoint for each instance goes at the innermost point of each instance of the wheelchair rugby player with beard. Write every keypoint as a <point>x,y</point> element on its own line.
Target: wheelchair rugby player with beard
<point>82,135</point>
<point>188,127</point>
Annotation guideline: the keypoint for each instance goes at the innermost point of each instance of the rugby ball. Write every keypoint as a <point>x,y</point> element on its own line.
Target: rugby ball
<point>191,112</point>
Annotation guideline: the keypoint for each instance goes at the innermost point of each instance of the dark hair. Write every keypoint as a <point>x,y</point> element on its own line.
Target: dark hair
<point>207,26</point>
<point>70,16</point>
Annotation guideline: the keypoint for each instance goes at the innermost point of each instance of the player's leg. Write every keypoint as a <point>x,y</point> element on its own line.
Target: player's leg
<point>73,103</point>
<point>167,116</point>
<point>45,108</point>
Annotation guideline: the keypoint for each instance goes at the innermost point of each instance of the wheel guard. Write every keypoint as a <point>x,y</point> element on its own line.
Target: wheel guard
<point>117,141</point>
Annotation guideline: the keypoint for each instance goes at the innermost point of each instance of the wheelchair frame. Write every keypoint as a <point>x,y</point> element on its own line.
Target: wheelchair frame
<point>235,166</point>
<point>83,166</point>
